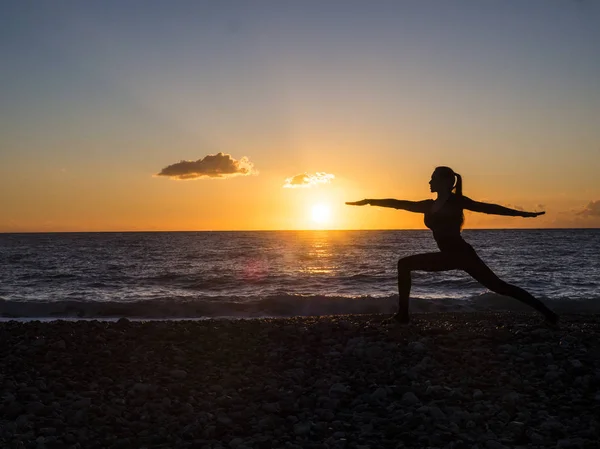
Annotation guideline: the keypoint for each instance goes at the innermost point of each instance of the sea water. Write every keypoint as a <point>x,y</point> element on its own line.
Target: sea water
<point>281,273</point>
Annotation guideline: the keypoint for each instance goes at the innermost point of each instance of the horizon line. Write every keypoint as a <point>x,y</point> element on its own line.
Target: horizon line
<point>289,230</point>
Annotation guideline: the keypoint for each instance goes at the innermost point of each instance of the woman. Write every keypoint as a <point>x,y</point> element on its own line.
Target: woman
<point>444,216</point>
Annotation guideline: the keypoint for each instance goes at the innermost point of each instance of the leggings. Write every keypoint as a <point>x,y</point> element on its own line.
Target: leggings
<point>468,261</point>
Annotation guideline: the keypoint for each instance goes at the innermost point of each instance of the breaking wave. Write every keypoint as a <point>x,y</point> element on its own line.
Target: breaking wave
<point>283,305</point>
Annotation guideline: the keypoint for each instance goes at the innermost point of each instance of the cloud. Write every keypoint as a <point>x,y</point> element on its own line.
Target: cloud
<point>308,180</point>
<point>218,165</point>
<point>591,210</point>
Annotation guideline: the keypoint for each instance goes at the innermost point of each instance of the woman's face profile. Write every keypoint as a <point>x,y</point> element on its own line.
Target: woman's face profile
<point>438,183</point>
<point>434,183</point>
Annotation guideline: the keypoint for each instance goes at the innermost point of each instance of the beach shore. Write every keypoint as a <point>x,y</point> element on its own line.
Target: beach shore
<point>447,380</point>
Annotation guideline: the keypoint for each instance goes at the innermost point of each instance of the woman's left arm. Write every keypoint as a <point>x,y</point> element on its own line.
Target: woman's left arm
<point>495,209</point>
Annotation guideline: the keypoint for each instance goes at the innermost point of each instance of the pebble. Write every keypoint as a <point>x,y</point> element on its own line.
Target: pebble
<point>410,398</point>
<point>379,394</point>
<point>338,389</point>
<point>446,381</point>
<point>552,376</point>
<point>178,374</point>
<point>235,443</point>
<point>416,346</point>
<point>477,394</point>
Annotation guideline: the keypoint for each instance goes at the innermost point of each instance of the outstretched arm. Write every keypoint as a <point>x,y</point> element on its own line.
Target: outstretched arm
<point>411,206</point>
<point>496,209</point>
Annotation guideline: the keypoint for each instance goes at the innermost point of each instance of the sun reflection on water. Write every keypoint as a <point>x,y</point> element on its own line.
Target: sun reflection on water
<point>319,255</point>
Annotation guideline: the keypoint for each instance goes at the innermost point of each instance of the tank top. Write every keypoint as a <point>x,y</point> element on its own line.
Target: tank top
<point>446,225</point>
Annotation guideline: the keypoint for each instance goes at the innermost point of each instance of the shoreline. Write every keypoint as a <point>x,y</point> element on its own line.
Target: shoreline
<point>284,306</point>
<point>447,380</point>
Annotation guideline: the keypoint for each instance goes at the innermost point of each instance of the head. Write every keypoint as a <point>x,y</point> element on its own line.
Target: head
<point>445,179</point>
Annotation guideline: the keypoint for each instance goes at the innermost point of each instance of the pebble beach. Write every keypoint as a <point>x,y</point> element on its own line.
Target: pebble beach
<point>448,380</point>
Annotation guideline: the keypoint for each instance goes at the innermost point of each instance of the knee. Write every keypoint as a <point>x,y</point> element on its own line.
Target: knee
<point>403,265</point>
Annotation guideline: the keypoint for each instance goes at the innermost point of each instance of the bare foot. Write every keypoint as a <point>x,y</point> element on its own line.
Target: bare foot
<point>396,318</point>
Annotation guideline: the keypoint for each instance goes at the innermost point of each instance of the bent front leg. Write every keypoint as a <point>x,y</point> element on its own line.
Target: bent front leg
<point>419,262</point>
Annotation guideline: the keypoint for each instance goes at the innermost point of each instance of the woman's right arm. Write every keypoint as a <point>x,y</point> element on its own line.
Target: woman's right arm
<point>411,206</point>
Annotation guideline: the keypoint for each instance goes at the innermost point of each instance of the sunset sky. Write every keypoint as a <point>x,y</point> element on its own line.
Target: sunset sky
<point>233,115</point>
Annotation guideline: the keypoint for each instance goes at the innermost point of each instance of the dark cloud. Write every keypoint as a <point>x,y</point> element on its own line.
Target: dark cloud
<point>308,180</point>
<point>591,210</point>
<point>218,165</point>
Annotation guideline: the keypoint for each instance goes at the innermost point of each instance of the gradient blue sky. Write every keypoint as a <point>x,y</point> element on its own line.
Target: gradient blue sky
<point>97,97</point>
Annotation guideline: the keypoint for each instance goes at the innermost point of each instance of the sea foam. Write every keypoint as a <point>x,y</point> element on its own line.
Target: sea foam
<point>275,306</point>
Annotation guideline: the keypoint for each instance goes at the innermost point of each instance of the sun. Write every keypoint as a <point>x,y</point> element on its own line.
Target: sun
<point>321,213</point>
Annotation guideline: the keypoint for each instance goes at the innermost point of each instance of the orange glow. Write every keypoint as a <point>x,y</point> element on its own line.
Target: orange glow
<point>321,214</point>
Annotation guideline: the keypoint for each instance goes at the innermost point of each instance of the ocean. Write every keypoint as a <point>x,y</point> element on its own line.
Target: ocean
<point>156,275</point>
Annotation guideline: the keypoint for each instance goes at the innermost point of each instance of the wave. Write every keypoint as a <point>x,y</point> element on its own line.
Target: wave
<point>283,305</point>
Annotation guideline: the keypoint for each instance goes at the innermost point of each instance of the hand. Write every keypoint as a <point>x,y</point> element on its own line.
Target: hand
<point>357,203</point>
<point>532,214</point>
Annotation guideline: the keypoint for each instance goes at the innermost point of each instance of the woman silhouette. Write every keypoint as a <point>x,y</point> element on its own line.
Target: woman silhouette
<point>444,216</point>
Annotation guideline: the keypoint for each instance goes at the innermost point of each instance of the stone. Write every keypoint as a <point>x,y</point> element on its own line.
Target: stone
<point>271,407</point>
<point>338,389</point>
<point>302,428</point>
<point>552,425</point>
<point>82,403</point>
<point>265,422</point>
<point>416,346</point>
<point>35,408</point>
<point>60,345</point>
<point>178,374</point>
<point>235,443</point>
<point>434,390</point>
<point>379,394</point>
<point>576,365</point>
<point>436,413</point>
<point>511,398</point>
<point>374,352</point>
<point>224,419</point>
<point>516,428</point>
<point>409,398</point>
<point>13,409</point>
<point>536,438</point>
<point>141,388</point>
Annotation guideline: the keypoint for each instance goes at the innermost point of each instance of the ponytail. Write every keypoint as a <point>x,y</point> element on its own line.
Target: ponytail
<point>458,185</point>
<point>459,194</point>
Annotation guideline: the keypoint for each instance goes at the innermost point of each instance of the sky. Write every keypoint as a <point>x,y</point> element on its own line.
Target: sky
<point>237,115</point>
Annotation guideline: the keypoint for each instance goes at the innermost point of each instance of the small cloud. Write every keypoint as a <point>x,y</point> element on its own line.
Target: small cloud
<point>308,180</point>
<point>218,165</point>
<point>591,210</point>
